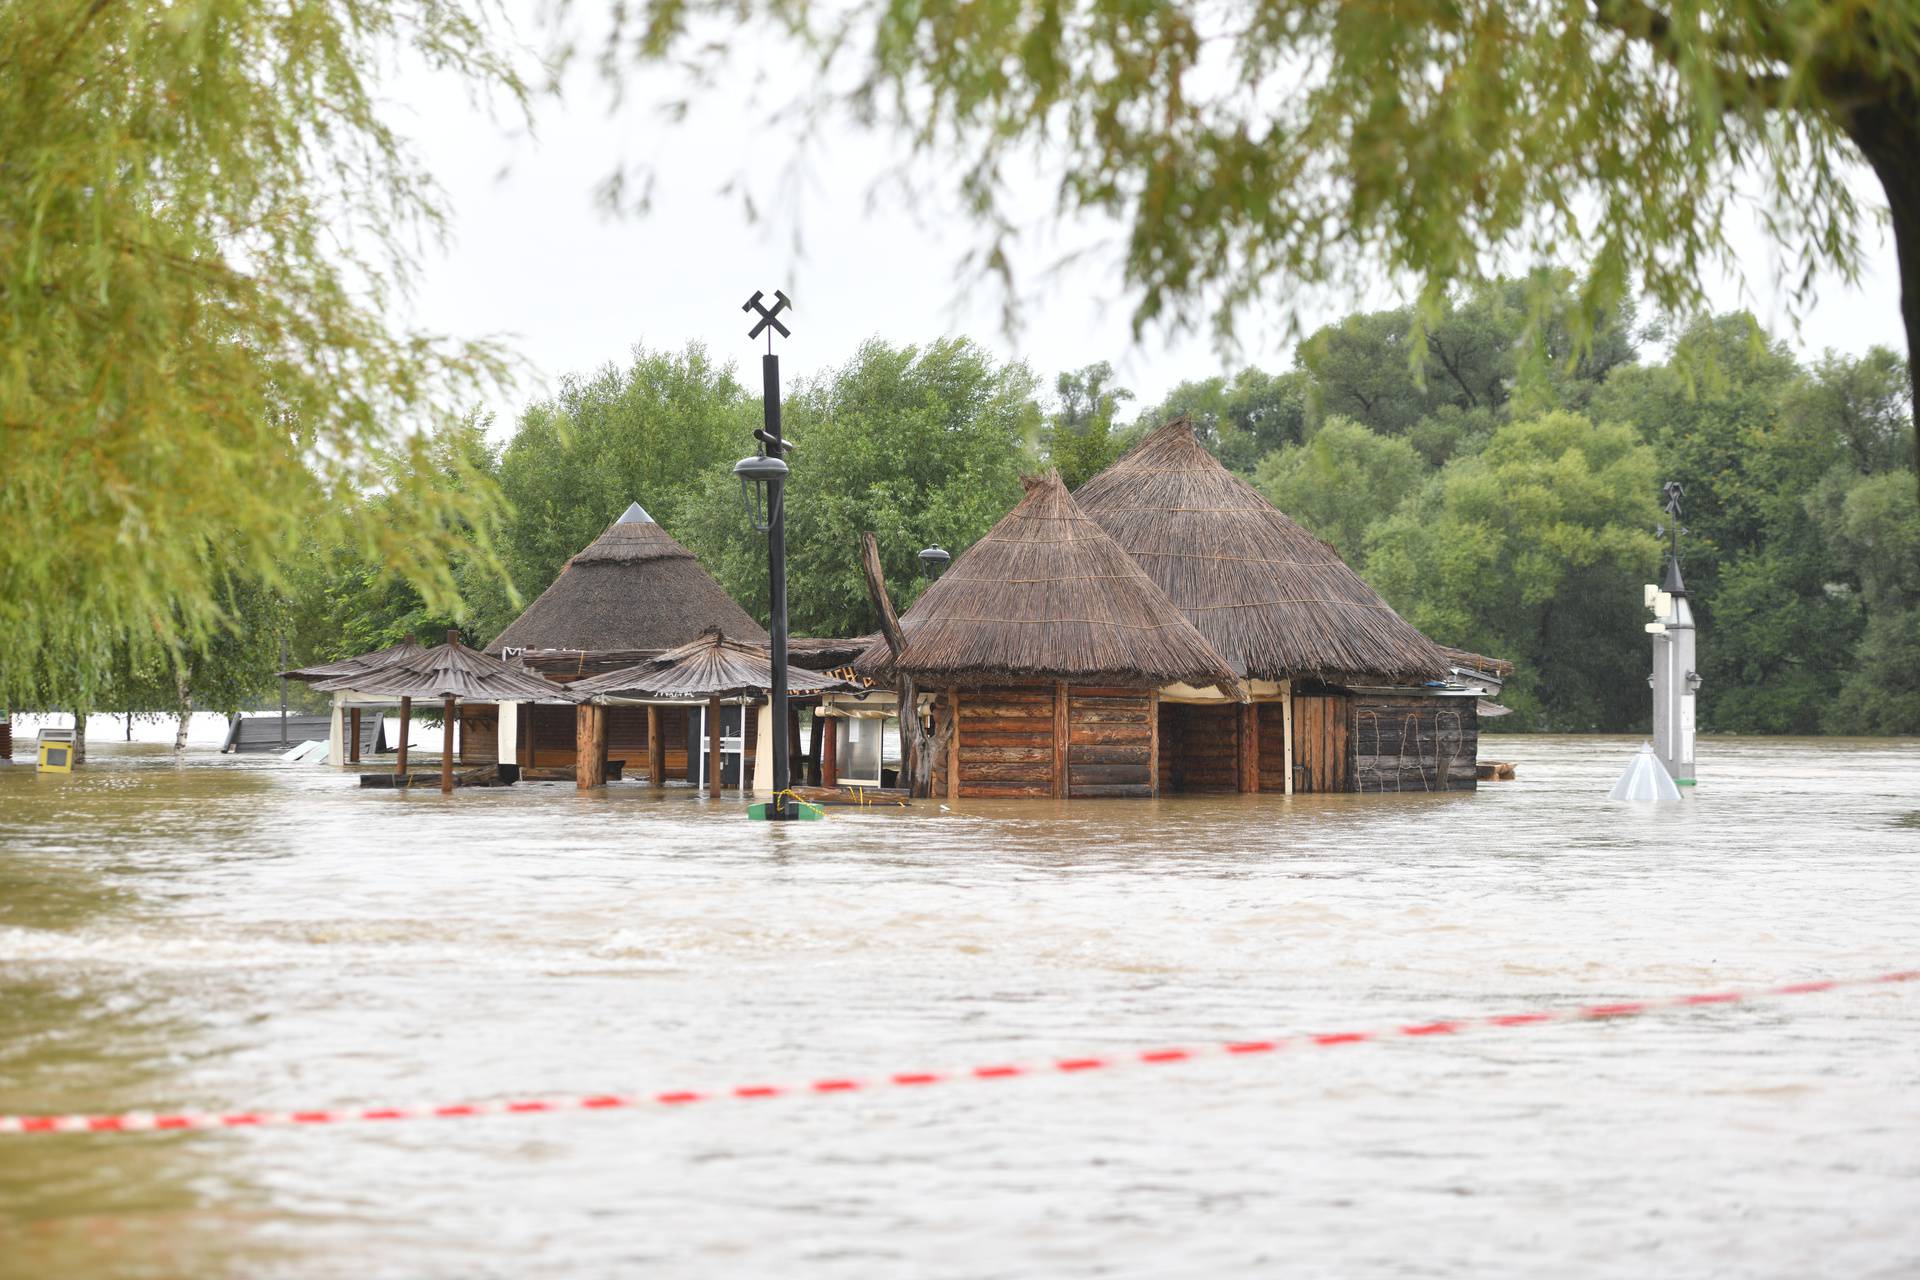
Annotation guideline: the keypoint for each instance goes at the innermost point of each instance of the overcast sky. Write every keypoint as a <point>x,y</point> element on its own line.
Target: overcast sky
<point>534,261</point>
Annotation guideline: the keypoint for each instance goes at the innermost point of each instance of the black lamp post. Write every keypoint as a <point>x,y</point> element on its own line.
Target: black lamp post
<point>933,561</point>
<point>763,486</point>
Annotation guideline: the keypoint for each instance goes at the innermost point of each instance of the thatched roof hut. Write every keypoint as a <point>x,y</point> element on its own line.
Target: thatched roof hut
<point>1047,595</point>
<point>633,589</point>
<point>359,664</point>
<point>711,667</point>
<point>1270,597</point>
<point>449,670</point>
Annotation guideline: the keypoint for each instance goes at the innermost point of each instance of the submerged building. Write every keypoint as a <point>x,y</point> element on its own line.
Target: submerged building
<point>1041,655</point>
<point>1344,694</point>
<point>632,593</point>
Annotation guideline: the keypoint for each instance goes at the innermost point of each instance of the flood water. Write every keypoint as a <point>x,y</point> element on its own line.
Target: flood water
<point>224,934</point>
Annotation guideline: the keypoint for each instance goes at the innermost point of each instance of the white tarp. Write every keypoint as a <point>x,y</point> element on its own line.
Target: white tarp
<point>1646,779</point>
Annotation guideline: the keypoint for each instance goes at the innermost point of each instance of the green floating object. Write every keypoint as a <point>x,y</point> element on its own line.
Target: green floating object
<point>804,812</point>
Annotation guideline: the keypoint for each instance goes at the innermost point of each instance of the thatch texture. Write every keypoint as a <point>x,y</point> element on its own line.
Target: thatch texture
<point>1045,594</point>
<point>710,667</point>
<point>449,670</point>
<point>632,588</point>
<point>1273,599</point>
<point>357,665</point>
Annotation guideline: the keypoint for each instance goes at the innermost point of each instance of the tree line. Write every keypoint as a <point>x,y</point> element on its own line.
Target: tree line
<point>1502,492</point>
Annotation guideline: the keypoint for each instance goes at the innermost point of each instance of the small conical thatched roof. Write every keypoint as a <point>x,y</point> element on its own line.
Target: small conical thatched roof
<point>1047,595</point>
<point>1273,599</point>
<point>357,665</point>
<point>449,670</point>
<point>633,587</point>
<point>710,667</point>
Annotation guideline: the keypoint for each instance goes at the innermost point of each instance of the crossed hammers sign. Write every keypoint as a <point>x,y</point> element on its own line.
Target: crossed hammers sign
<point>768,315</point>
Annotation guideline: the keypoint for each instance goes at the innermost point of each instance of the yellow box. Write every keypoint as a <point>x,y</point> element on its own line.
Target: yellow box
<point>56,757</point>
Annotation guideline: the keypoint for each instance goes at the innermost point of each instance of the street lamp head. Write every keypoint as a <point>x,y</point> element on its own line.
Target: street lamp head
<point>761,479</point>
<point>933,560</point>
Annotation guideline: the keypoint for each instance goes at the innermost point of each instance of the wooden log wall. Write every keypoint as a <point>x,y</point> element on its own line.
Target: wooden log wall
<point>1005,746</point>
<point>1273,745</point>
<point>1200,747</point>
<point>627,739</point>
<point>1415,744</point>
<point>550,733</point>
<point>1109,738</point>
<point>1321,750</point>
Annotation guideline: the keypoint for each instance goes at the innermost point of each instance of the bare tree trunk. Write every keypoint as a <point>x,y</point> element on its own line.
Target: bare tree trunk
<point>185,711</point>
<point>79,736</point>
<point>918,748</point>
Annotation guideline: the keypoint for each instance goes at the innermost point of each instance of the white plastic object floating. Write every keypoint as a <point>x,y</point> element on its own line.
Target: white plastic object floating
<point>1645,779</point>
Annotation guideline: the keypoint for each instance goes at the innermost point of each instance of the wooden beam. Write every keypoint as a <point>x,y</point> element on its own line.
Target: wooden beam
<point>814,729</point>
<point>1249,747</point>
<point>953,744</point>
<point>713,748</point>
<point>1153,741</point>
<point>1060,739</point>
<point>406,722</point>
<point>446,748</point>
<point>830,753</point>
<point>589,746</point>
<point>656,749</point>
<point>353,745</point>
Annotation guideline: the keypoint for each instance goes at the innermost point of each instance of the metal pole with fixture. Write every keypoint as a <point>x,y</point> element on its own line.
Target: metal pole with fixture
<point>763,483</point>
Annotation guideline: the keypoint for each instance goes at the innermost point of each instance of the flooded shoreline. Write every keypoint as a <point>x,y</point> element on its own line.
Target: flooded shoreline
<point>220,933</point>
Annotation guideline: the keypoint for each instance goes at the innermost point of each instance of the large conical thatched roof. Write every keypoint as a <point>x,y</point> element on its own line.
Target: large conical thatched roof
<point>633,588</point>
<point>1273,599</point>
<point>1045,594</point>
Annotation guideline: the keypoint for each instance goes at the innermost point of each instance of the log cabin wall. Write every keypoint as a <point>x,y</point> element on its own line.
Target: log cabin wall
<point>1321,747</point>
<point>1200,747</point>
<point>1273,746</point>
<point>1005,745</point>
<point>627,739</point>
<point>1109,735</point>
<point>550,734</point>
<point>1415,744</point>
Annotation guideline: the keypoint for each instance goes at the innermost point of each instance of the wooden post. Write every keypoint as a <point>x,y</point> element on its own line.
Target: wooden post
<point>1249,737</point>
<point>446,748</point>
<point>353,746</point>
<point>713,748</point>
<point>830,754</point>
<point>953,744</point>
<point>1060,739</point>
<point>1286,725</point>
<point>656,749</point>
<point>1153,741</point>
<point>813,745</point>
<point>590,746</point>
<point>406,722</point>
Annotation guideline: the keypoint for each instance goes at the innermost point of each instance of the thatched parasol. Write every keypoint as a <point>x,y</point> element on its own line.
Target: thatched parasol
<point>1273,599</point>
<point>632,588</point>
<point>1047,595</point>
<point>451,673</point>
<point>710,667</point>
<point>359,665</point>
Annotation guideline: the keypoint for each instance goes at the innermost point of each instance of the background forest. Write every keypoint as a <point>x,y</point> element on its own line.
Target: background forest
<point>1501,492</point>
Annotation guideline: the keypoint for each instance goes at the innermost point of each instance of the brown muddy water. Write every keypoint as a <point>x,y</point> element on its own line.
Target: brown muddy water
<point>220,934</point>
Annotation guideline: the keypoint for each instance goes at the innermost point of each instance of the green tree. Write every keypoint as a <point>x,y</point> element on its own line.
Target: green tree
<point>1274,144</point>
<point>1081,439</point>
<point>1241,419</point>
<point>1536,550</point>
<point>1342,482</point>
<point>1872,525</point>
<point>651,433</point>
<point>916,444</point>
<point>204,219</point>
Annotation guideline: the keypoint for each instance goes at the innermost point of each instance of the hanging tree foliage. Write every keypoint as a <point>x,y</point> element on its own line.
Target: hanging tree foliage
<point>203,223</point>
<point>1257,146</point>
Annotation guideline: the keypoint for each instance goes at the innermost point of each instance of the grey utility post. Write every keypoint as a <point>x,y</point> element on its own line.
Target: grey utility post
<point>1675,679</point>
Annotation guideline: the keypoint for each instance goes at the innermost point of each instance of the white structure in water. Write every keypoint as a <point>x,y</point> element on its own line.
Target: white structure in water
<point>1676,678</point>
<point>1645,779</point>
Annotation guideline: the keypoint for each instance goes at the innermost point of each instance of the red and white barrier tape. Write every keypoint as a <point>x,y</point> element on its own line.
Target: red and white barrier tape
<point>148,1122</point>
